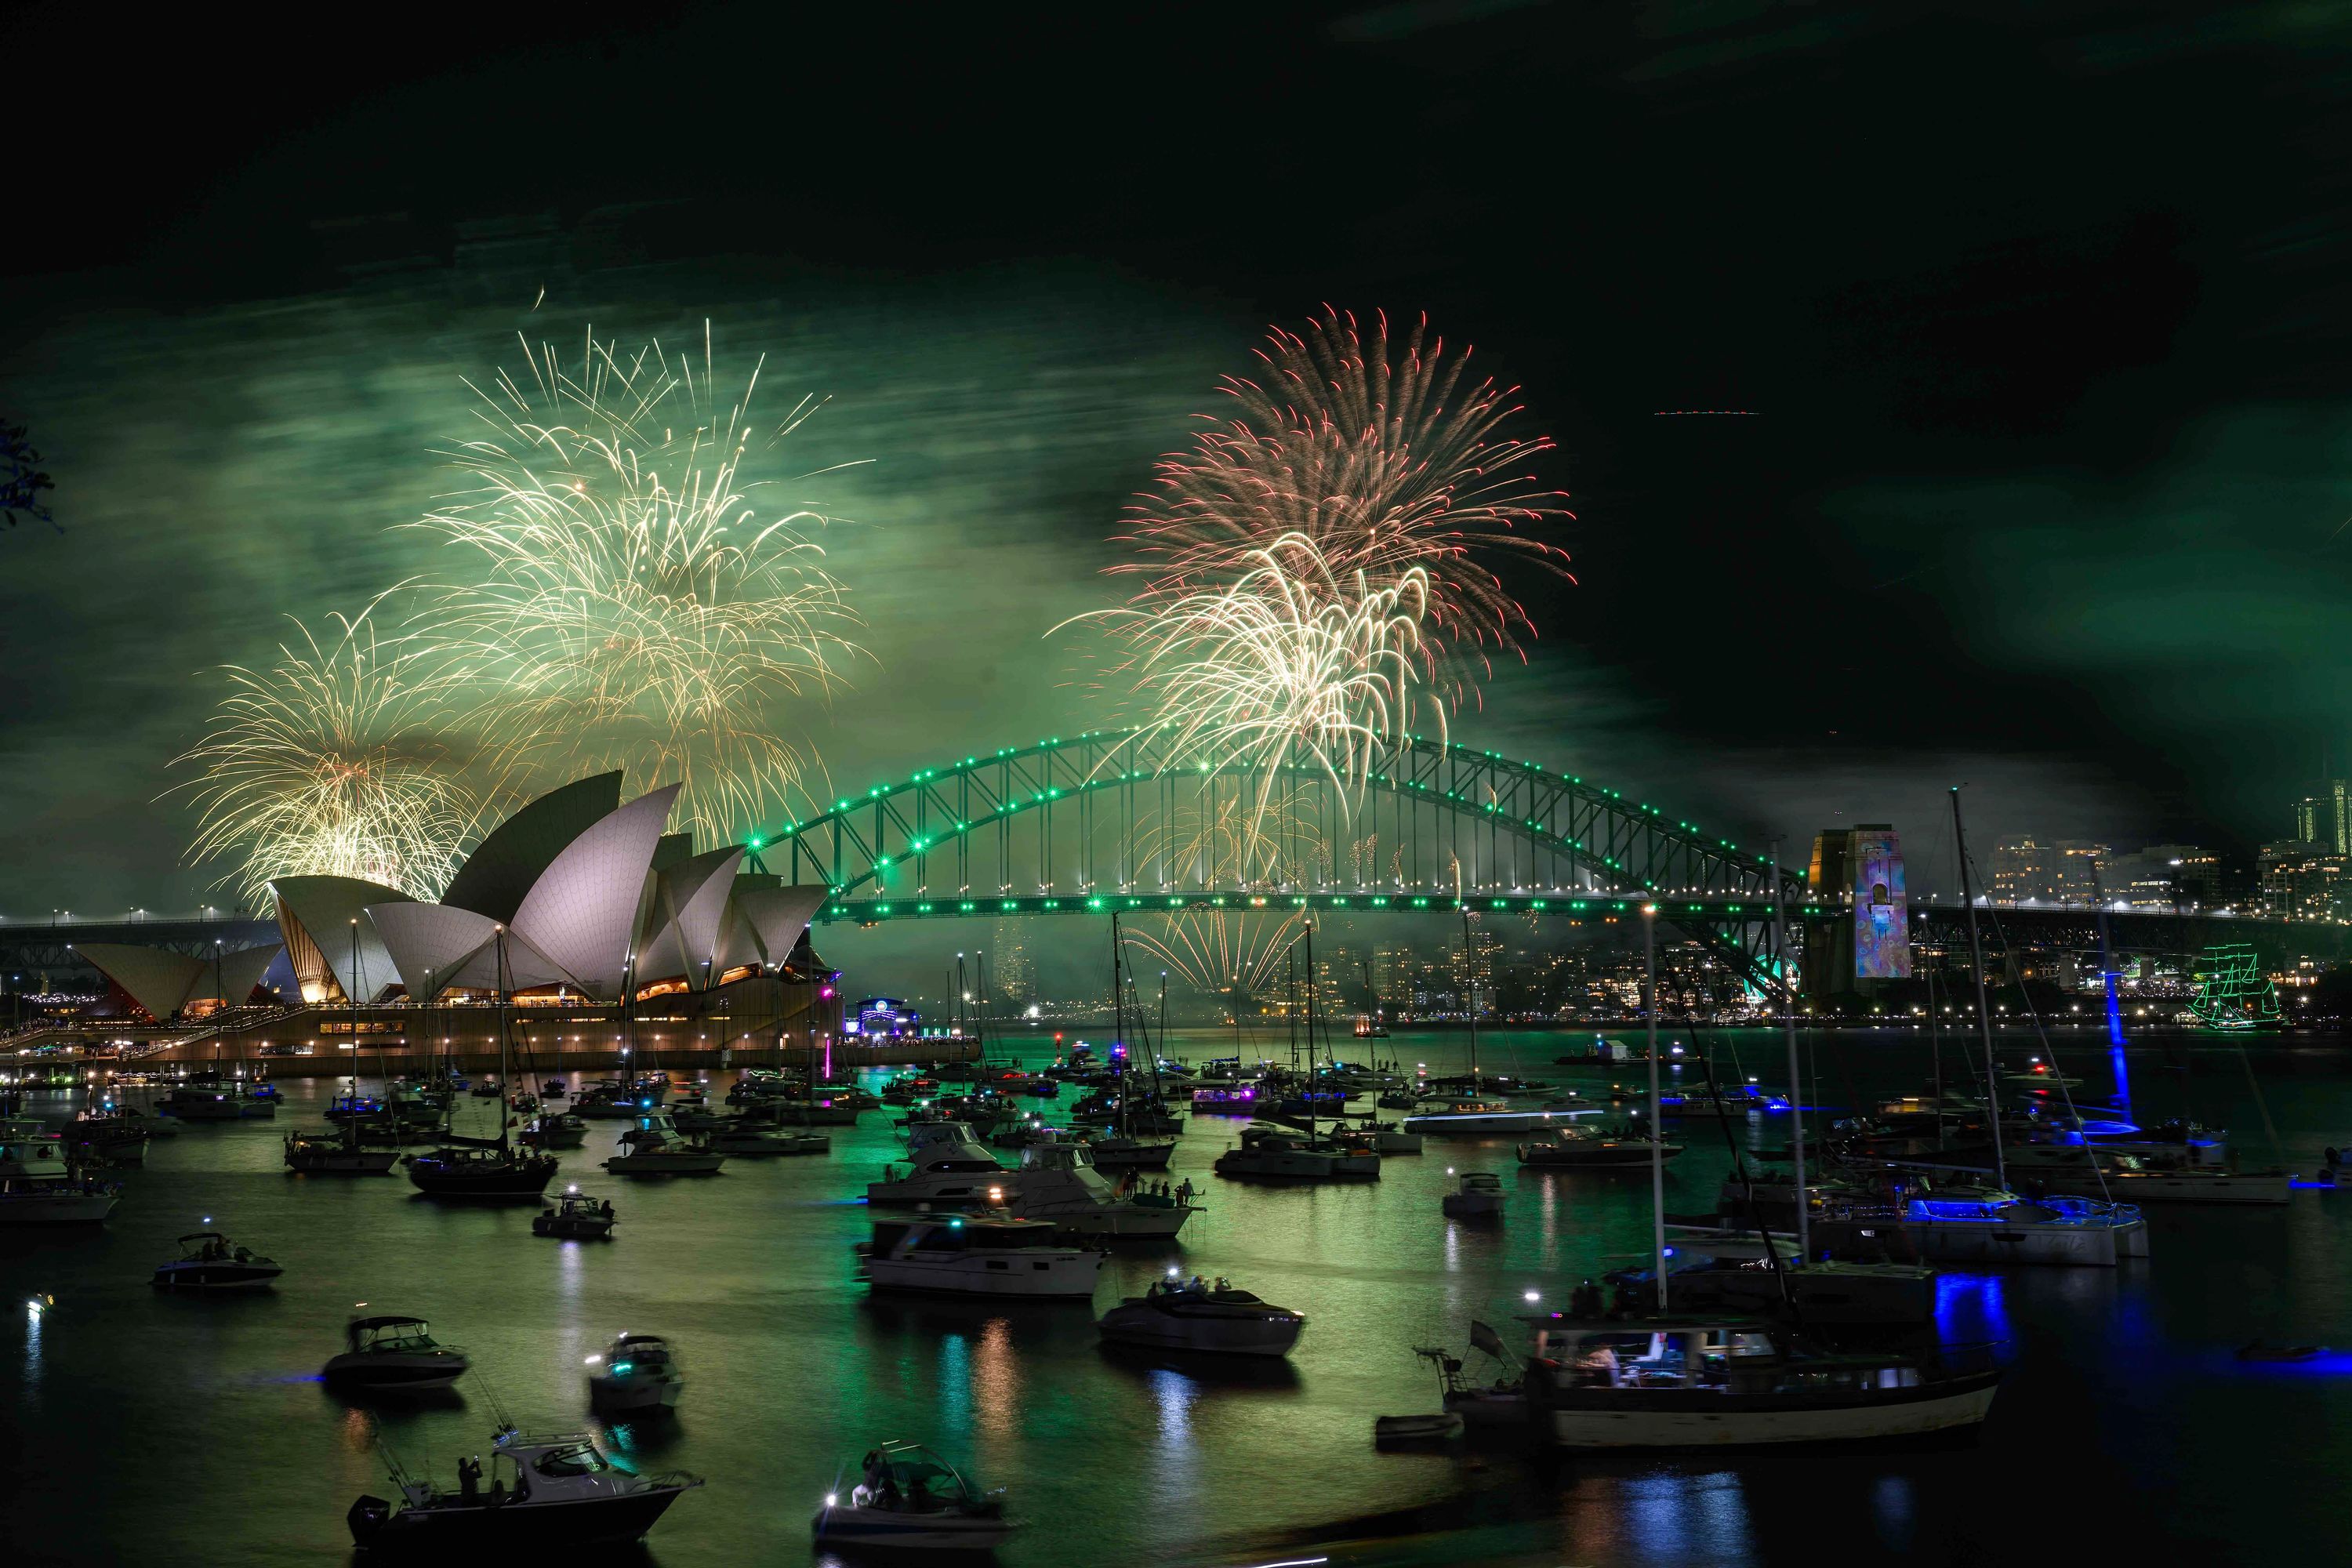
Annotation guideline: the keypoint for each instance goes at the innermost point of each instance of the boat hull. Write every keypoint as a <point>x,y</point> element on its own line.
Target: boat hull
<point>665,1164</point>
<point>61,1208</point>
<point>1149,1329</point>
<point>909,1532</point>
<point>1959,1241</point>
<point>222,1275</point>
<point>526,1179</point>
<point>1701,1419</point>
<point>395,1374</point>
<point>524,1528</point>
<point>1064,1278</point>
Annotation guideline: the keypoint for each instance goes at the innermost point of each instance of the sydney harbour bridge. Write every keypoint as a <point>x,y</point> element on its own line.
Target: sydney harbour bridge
<point>1116,820</point>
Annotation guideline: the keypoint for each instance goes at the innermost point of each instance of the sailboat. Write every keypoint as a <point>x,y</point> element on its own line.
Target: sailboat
<point>1129,1148</point>
<point>486,1167</point>
<point>338,1151</point>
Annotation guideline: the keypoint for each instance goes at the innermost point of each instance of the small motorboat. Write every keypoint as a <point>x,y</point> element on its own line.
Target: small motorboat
<point>1476,1194</point>
<point>575,1216</point>
<point>210,1261</point>
<point>1191,1315</point>
<point>554,1089</point>
<point>2261,1352</point>
<point>906,1497</point>
<point>554,1129</point>
<point>390,1354</point>
<point>636,1372</point>
<point>1402,1431</point>
<point>653,1148</point>
<point>543,1492</point>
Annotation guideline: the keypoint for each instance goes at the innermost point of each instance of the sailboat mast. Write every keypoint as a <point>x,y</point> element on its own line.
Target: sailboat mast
<point>1310,1031</point>
<point>1119,1028</point>
<point>505,993</point>
<point>1470,983</point>
<point>1796,1078</point>
<point>1657,1125</point>
<point>1984,1014</point>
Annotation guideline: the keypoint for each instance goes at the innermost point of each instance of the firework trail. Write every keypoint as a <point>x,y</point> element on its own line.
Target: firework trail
<point>1384,455</point>
<point>640,610</point>
<point>1217,951</point>
<point>1282,668</point>
<point>1224,843</point>
<point>332,762</point>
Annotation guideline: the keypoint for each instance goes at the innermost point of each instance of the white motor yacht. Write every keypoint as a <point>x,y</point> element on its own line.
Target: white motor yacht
<point>210,1261</point>
<point>395,1354</point>
<point>38,1182</point>
<point>1476,1194</point>
<point>975,1255</point>
<point>543,1492</point>
<point>1194,1316</point>
<point>554,1129</point>
<point>1058,1182</point>
<point>575,1216</point>
<point>946,1165</point>
<point>654,1148</point>
<point>909,1499</point>
<point>636,1372</point>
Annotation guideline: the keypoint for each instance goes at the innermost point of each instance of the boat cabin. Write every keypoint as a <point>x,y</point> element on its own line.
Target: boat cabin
<point>390,1336</point>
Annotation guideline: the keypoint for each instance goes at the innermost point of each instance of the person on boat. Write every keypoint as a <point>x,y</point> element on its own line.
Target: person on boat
<point>469,1479</point>
<point>1184,1193</point>
<point>608,1210</point>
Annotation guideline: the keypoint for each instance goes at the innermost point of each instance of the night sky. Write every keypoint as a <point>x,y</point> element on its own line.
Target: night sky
<point>2042,317</point>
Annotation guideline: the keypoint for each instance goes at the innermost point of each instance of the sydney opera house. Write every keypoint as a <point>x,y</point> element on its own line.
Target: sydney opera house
<point>579,911</point>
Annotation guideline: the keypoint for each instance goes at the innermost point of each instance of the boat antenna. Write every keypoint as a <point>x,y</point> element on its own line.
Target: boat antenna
<point>1984,1011</point>
<point>1118,1044</point>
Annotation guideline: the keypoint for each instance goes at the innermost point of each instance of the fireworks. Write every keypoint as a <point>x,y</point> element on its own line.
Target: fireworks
<point>639,610</point>
<point>1385,457</point>
<point>1284,669</point>
<point>332,762</point>
<point>1218,952</point>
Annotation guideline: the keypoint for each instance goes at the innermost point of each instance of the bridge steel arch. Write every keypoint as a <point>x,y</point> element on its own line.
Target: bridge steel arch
<point>1066,826</point>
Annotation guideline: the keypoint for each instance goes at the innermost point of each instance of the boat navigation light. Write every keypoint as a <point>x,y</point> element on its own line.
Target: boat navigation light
<point>593,1360</point>
<point>1174,1272</point>
<point>1533,1297</point>
<point>832,1499</point>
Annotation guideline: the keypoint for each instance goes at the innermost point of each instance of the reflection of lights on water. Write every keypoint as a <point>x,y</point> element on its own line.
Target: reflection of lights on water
<point>1172,1394</point>
<point>996,1379</point>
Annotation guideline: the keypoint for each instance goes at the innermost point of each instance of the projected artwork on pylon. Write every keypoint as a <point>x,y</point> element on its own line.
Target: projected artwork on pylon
<point>1882,925</point>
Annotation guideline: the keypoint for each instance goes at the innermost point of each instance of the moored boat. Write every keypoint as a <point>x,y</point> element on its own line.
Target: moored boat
<point>908,1499</point>
<point>544,1492</point>
<point>210,1261</point>
<point>391,1353</point>
<point>976,1255</point>
<point>1191,1315</point>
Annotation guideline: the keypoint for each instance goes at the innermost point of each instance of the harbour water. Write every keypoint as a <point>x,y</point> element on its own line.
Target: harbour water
<point>144,1427</point>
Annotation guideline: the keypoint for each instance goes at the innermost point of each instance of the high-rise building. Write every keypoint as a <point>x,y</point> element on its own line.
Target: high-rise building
<point>2162,877</point>
<point>2324,817</point>
<point>2047,871</point>
<point>1012,977</point>
<point>2303,880</point>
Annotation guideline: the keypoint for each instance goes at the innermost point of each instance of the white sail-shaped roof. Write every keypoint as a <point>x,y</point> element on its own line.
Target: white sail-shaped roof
<point>689,904</point>
<point>503,868</point>
<point>437,947</point>
<point>324,922</point>
<point>232,979</point>
<point>156,978</point>
<point>738,944</point>
<point>582,913</point>
<point>779,915</point>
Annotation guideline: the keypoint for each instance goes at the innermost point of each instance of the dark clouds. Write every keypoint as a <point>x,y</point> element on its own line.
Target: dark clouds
<point>2044,310</point>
